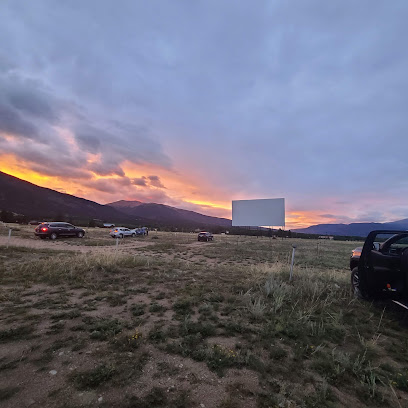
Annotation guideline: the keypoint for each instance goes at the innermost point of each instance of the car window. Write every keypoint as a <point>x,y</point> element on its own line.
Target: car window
<point>399,245</point>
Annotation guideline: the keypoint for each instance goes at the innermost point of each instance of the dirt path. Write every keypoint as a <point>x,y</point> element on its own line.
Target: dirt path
<point>64,246</point>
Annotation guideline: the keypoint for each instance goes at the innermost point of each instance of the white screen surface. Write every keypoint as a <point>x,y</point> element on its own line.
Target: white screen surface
<point>258,213</point>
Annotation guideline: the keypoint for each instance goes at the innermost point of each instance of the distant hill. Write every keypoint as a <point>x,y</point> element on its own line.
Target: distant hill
<point>37,202</point>
<point>355,229</point>
<point>124,204</point>
<point>25,198</point>
<point>168,215</point>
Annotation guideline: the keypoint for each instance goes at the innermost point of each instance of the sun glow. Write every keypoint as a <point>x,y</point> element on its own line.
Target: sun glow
<point>210,204</point>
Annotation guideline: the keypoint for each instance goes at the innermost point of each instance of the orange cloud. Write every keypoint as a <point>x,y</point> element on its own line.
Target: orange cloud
<point>180,190</point>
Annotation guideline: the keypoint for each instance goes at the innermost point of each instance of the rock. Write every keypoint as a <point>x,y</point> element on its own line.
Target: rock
<point>88,398</point>
<point>53,372</point>
<point>100,399</point>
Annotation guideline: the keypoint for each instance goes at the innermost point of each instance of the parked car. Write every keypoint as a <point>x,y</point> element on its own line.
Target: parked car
<point>141,231</point>
<point>53,230</point>
<point>381,268</point>
<point>205,236</point>
<point>122,232</point>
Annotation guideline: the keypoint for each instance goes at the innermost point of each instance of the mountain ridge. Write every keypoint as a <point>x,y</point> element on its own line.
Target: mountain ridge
<point>165,213</point>
<point>22,197</point>
<point>357,229</point>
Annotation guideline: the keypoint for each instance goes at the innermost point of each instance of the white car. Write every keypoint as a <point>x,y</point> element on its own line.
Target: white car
<point>122,232</point>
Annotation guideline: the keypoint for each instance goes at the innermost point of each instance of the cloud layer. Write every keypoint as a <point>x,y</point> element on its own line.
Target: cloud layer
<point>197,103</point>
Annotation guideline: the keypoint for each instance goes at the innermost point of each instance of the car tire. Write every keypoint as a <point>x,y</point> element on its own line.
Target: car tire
<point>355,285</point>
<point>53,236</point>
<point>133,235</point>
<point>80,234</point>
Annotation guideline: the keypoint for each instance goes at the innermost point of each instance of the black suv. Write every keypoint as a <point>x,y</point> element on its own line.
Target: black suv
<point>380,267</point>
<point>205,236</point>
<point>53,230</point>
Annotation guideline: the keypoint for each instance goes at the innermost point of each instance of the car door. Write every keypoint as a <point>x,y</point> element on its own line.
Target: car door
<point>58,228</point>
<point>386,264</point>
<point>70,230</point>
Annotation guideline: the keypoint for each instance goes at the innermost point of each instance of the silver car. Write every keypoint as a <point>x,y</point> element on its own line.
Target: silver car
<point>122,232</point>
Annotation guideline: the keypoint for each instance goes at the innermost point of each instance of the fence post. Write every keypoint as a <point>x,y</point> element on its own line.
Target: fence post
<point>291,264</point>
<point>9,238</point>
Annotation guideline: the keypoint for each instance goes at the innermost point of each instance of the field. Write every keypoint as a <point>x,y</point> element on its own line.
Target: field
<point>166,321</point>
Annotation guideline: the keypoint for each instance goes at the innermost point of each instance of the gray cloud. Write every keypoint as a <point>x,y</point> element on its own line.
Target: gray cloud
<point>155,181</point>
<point>12,122</point>
<point>305,101</point>
<point>141,181</point>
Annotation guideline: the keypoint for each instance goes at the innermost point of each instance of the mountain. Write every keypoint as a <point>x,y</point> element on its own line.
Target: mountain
<point>41,203</point>
<point>25,198</point>
<point>354,229</point>
<point>125,205</point>
<point>168,215</point>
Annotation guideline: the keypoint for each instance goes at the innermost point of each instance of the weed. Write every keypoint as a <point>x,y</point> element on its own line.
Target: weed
<point>116,299</point>
<point>157,308</point>
<point>69,315</point>
<point>17,333</point>
<point>183,307</point>
<point>102,329</point>
<point>400,380</point>
<point>157,397</point>
<point>138,309</point>
<point>322,398</point>
<point>277,353</point>
<point>255,306</point>
<point>8,392</point>
<point>93,378</point>
<point>157,335</point>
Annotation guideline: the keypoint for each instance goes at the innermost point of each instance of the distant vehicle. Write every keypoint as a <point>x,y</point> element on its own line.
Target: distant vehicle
<point>108,225</point>
<point>34,222</point>
<point>139,231</point>
<point>122,232</point>
<point>380,269</point>
<point>53,230</point>
<point>205,236</point>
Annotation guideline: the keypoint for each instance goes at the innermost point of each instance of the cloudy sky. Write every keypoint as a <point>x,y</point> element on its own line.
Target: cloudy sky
<point>196,103</point>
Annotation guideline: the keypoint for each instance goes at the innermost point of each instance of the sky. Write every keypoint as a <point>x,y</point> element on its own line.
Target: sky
<point>196,103</point>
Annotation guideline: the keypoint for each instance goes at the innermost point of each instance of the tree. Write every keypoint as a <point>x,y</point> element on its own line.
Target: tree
<point>6,216</point>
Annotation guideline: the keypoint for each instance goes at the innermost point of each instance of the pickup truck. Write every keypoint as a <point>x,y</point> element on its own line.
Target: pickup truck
<point>379,269</point>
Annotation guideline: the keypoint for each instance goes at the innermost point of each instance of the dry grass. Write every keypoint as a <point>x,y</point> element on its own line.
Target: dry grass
<point>189,323</point>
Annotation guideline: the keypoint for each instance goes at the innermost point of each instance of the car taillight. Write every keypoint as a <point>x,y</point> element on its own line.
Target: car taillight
<point>44,229</point>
